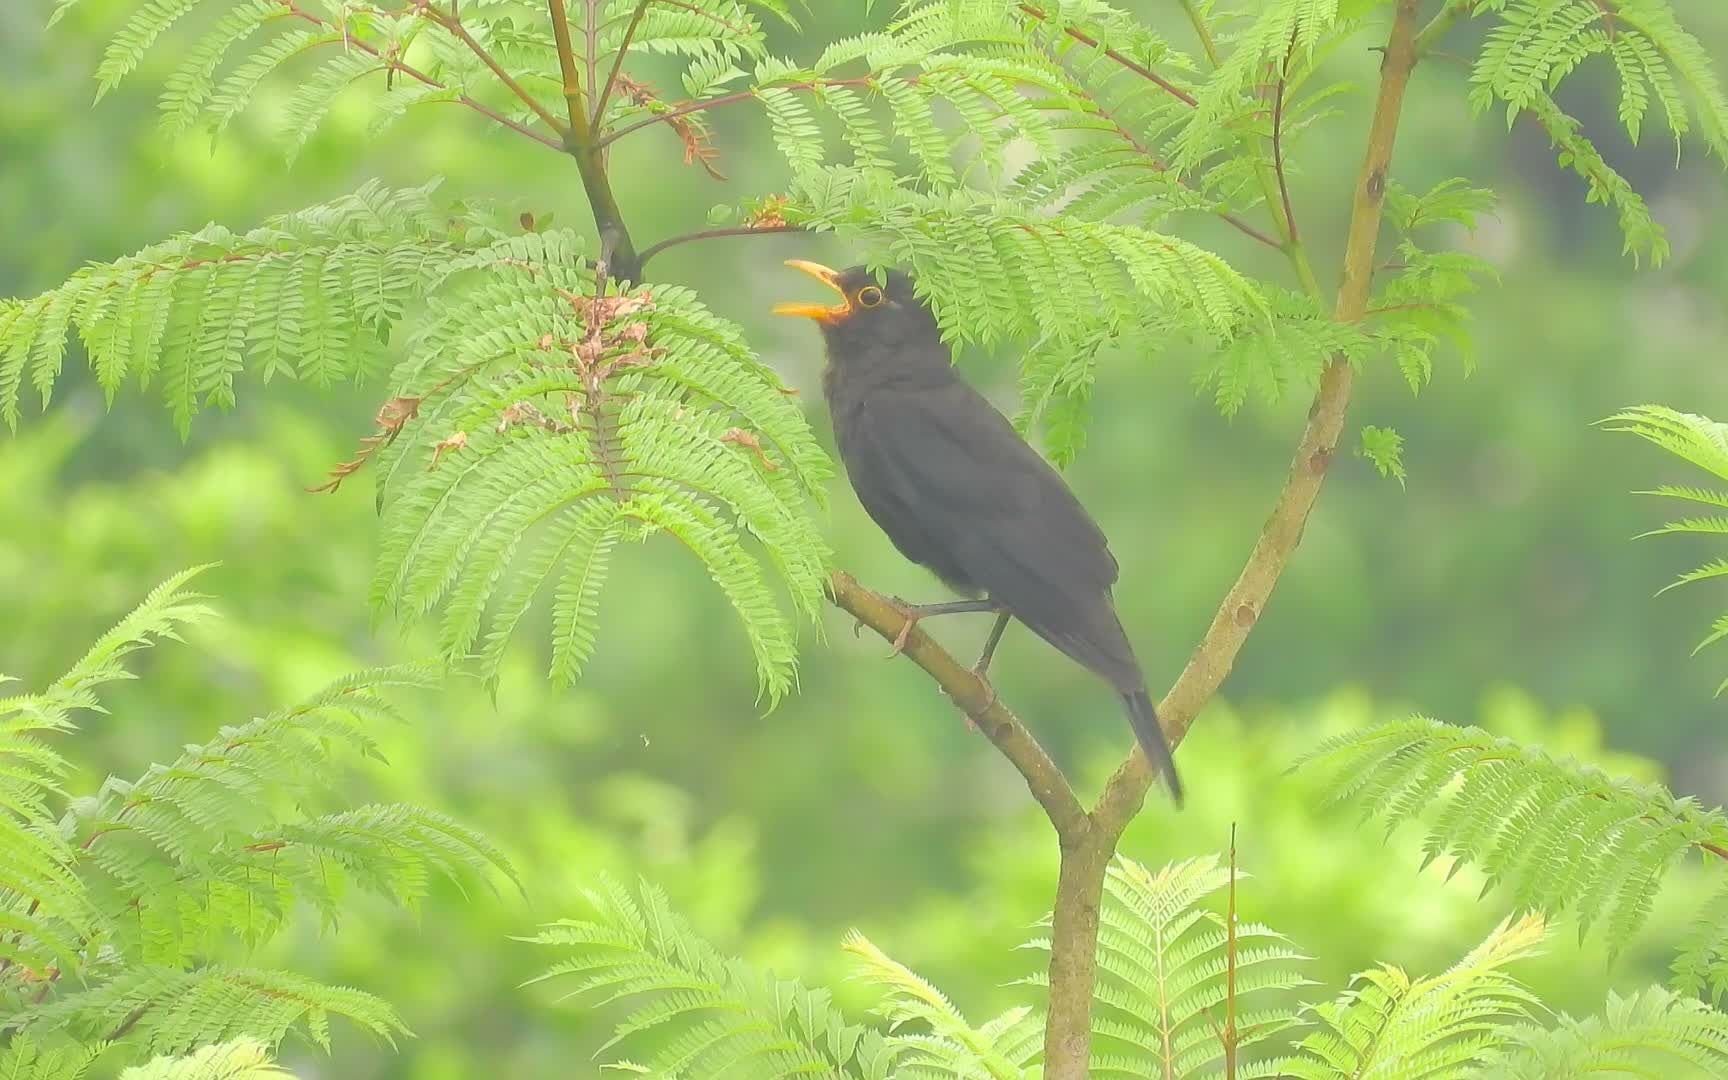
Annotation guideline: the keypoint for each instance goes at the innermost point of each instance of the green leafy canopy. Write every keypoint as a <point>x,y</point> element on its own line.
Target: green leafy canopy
<point>1032,164</point>
<point>1171,970</point>
<point>129,914</point>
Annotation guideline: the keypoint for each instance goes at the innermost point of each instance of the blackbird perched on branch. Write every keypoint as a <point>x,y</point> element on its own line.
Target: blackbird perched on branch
<point>959,491</point>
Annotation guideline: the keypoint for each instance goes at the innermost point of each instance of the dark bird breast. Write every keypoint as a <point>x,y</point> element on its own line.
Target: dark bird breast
<point>957,490</point>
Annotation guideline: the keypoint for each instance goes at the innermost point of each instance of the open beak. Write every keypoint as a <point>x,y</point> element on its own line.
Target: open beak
<point>824,313</point>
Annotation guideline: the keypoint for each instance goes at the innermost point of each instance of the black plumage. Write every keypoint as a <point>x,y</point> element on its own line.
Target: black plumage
<point>957,489</point>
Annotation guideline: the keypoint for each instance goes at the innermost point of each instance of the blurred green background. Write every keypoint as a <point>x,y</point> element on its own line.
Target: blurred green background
<point>1501,587</point>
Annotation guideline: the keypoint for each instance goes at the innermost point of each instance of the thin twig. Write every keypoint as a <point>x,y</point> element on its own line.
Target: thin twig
<point>591,31</point>
<point>126,1025</point>
<point>1278,143</point>
<point>1440,23</point>
<point>450,24</point>
<point>1158,165</point>
<point>1230,1035</point>
<point>1396,307</point>
<point>710,234</point>
<point>705,104</point>
<point>618,62</point>
<point>1132,65</point>
<point>421,77</point>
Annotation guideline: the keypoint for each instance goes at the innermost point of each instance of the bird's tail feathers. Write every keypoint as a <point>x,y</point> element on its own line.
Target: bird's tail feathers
<point>1150,735</point>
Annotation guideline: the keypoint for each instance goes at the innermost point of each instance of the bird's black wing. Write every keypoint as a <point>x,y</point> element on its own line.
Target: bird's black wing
<point>956,488</point>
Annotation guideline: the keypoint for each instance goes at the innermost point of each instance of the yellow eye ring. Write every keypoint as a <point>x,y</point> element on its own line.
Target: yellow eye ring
<point>869,296</point>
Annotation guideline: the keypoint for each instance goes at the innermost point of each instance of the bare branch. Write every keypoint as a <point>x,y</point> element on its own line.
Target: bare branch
<point>711,234</point>
<point>704,105</point>
<point>567,68</point>
<point>1279,91</point>
<point>973,697</point>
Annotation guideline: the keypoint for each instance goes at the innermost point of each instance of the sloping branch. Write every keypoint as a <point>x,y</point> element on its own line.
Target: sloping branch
<point>970,694</point>
<point>1243,604</point>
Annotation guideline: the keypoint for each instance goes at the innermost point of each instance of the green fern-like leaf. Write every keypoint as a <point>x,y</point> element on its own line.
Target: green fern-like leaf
<point>1652,1033</point>
<point>940,1042</point>
<point>1700,966</point>
<point>1536,44</point>
<point>1446,1025</point>
<point>1554,836</point>
<point>1384,449</point>
<point>23,1058</point>
<point>716,1017</point>
<point>169,1011</point>
<point>1701,442</point>
<point>1163,956</point>
<point>310,294</point>
<point>552,423</point>
<point>241,1059</point>
<point>118,908</point>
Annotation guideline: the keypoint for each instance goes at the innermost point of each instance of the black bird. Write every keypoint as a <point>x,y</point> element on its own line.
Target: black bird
<point>959,491</point>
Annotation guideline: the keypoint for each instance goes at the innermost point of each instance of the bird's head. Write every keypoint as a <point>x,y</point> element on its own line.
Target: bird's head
<point>871,315</point>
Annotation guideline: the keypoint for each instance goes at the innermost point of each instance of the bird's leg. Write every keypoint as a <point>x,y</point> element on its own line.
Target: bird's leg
<point>916,612</point>
<point>990,643</point>
<point>981,668</point>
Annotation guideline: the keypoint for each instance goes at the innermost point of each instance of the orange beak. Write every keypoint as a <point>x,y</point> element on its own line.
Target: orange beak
<point>820,312</point>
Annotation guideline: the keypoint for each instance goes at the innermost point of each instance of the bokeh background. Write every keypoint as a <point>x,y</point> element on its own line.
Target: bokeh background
<point>1501,587</point>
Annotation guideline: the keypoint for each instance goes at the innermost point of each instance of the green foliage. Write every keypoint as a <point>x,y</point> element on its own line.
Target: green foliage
<point>669,421</point>
<point>1053,228</point>
<point>415,55</point>
<point>941,1044</point>
<point>240,1059</point>
<point>1537,43</point>
<point>1446,1025</point>
<point>1164,957</point>
<point>1385,449</point>
<point>1702,442</point>
<point>120,907</point>
<point>25,1059</point>
<point>1418,307</point>
<point>1556,837</point>
<point>716,1016</point>
<point>312,295</point>
<point>1653,1033</point>
<point>539,418</point>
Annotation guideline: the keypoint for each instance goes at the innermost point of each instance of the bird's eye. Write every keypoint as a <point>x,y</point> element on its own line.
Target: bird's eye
<point>869,296</point>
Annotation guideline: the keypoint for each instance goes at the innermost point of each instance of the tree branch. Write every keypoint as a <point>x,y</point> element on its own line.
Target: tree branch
<point>973,697</point>
<point>567,69</point>
<point>710,234</point>
<point>1243,604</point>
<point>617,251</point>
